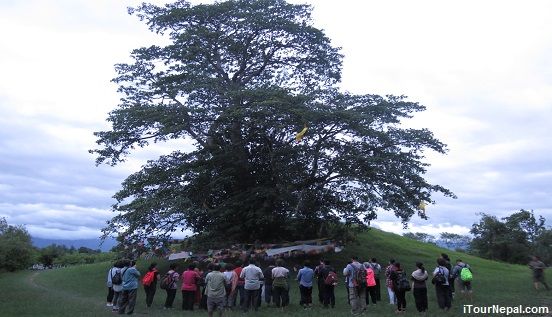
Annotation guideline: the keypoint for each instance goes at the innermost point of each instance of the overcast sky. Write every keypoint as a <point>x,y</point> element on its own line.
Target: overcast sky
<point>483,69</point>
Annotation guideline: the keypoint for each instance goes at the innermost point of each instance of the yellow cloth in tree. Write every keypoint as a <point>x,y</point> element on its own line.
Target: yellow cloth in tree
<point>300,135</point>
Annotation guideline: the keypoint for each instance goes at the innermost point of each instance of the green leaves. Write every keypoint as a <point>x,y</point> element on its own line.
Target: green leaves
<point>513,239</point>
<point>16,249</point>
<point>241,78</point>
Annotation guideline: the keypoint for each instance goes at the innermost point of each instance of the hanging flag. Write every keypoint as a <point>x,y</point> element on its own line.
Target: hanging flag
<point>300,135</point>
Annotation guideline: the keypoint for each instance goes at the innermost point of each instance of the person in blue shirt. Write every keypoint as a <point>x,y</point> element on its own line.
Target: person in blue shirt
<point>130,287</point>
<point>305,278</point>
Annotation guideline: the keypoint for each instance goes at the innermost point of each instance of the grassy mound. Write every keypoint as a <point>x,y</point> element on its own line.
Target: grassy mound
<point>80,290</point>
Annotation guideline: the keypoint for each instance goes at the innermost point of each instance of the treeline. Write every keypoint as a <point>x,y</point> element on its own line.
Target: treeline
<point>512,239</point>
<point>447,240</point>
<point>17,251</point>
<point>61,255</point>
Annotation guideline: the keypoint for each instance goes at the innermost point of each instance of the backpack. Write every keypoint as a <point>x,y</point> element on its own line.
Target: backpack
<point>402,283</point>
<point>359,276</point>
<point>167,281</point>
<point>466,274</point>
<point>280,282</point>
<point>370,277</point>
<point>148,278</point>
<point>439,278</point>
<point>117,278</point>
<point>331,279</point>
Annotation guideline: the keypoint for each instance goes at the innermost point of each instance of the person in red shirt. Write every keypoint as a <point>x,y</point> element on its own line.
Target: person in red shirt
<point>239,286</point>
<point>190,280</point>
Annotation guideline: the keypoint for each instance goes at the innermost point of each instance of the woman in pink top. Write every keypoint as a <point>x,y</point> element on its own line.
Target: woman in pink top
<point>189,287</point>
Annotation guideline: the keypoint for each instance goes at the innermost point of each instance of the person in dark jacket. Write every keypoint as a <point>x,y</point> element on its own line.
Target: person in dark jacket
<point>400,293</point>
<point>329,290</point>
<point>268,282</point>
<point>320,281</point>
<point>150,289</point>
<point>442,290</point>
<point>448,265</point>
<point>538,267</point>
<point>465,286</point>
<point>419,287</point>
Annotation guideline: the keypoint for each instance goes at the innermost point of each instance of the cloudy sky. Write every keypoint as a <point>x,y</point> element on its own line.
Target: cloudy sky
<point>482,68</point>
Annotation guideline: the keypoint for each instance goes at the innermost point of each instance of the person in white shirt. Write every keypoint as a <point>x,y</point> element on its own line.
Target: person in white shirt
<point>109,284</point>
<point>252,274</point>
<point>280,286</point>
<point>117,288</point>
<point>231,280</point>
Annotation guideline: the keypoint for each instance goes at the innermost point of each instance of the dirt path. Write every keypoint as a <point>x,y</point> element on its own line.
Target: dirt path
<point>66,295</point>
<point>96,305</point>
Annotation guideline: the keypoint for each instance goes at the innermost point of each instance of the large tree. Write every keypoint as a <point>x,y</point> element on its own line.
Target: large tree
<point>16,249</point>
<point>239,79</point>
<point>512,240</point>
<point>524,222</point>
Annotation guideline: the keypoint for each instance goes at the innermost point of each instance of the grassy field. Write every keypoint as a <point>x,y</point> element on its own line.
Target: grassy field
<point>80,290</point>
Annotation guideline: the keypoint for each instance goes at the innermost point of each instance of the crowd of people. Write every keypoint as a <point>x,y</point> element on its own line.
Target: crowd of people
<point>222,286</point>
<point>398,283</point>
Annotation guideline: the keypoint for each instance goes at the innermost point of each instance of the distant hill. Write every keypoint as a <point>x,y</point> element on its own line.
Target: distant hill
<point>93,244</point>
<point>452,246</point>
<point>385,246</point>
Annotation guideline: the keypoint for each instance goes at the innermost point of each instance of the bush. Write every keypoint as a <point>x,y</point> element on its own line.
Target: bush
<point>84,258</point>
<point>16,249</point>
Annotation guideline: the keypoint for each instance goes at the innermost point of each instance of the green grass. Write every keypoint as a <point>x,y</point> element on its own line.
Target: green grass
<point>80,290</point>
<point>494,282</point>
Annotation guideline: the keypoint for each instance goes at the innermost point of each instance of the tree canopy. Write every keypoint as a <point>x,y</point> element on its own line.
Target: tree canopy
<point>240,79</point>
<point>420,236</point>
<point>513,238</point>
<point>16,249</point>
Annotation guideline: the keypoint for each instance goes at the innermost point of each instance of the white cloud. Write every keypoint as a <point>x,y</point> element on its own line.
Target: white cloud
<point>432,229</point>
<point>69,232</point>
<point>483,70</point>
<point>56,221</point>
